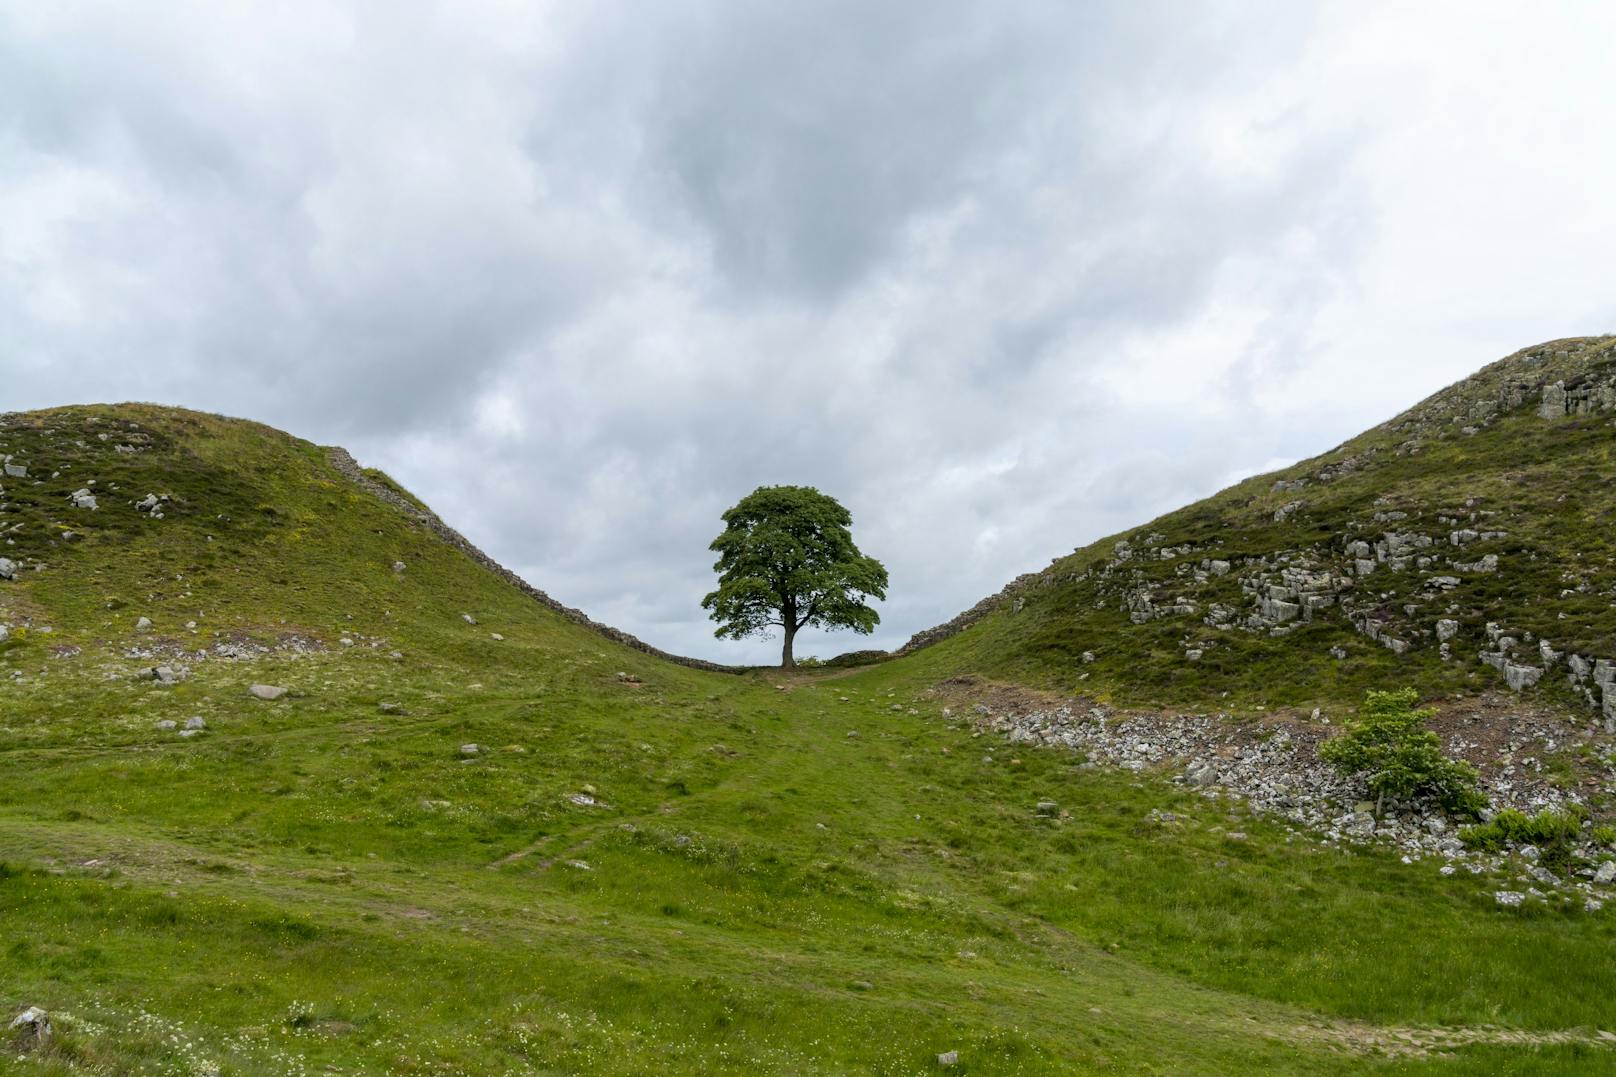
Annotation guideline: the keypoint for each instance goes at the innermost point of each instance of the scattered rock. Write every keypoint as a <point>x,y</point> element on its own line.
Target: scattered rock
<point>1047,808</point>
<point>195,723</point>
<point>470,749</point>
<point>1605,874</point>
<point>468,618</point>
<point>144,624</point>
<point>267,691</point>
<point>168,724</point>
<point>496,636</point>
<point>391,708</point>
<point>83,499</point>
<point>398,566</point>
<point>1509,898</point>
<point>948,1058</point>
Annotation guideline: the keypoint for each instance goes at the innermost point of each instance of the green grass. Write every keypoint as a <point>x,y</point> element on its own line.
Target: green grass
<point>827,878</point>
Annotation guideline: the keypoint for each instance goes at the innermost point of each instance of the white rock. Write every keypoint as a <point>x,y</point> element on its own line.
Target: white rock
<point>33,1023</point>
<point>143,625</point>
<point>267,691</point>
<point>1509,898</point>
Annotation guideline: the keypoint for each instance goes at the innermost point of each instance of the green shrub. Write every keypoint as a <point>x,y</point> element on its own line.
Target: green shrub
<point>1402,759</point>
<point>1604,835</point>
<point>1553,832</point>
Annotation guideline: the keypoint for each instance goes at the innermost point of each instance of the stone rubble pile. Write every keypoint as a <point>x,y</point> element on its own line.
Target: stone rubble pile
<point>1276,770</point>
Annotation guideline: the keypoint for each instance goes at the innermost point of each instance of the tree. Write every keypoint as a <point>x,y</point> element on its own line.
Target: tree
<point>1402,759</point>
<point>786,560</point>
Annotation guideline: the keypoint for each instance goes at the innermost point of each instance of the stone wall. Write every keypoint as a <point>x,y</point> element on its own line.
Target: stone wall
<point>349,468</point>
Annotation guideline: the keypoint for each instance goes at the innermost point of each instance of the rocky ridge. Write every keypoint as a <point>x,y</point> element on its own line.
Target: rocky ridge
<point>1354,537</point>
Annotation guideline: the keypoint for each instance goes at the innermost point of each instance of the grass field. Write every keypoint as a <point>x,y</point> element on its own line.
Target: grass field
<point>670,871</point>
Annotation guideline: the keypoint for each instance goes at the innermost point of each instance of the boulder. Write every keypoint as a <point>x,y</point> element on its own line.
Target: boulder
<point>1520,677</point>
<point>470,749</point>
<point>1605,874</point>
<point>1047,808</point>
<point>143,624</point>
<point>83,499</point>
<point>16,471</point>
<point>8,569</point>
<point>1201,772</point>
<point>168,724</point>
<point>948,1058</point>
<point>267,691</point>
<point>195,723</point>
<point>32,1026</point>
<point>1446,629</point>
<point>1509,898</point>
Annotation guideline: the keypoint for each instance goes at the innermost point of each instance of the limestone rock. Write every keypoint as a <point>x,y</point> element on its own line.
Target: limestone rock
<point>33,1024</point>
<point>8,569</point>
<point>267,691</point>
<point>1520,677</point>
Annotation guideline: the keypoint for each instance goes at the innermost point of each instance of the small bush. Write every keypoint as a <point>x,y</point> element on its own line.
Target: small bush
<point>1553,832</point>
<point>1402,759</point>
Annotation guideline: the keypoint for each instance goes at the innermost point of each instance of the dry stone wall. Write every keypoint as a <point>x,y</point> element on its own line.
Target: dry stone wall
<point>349,468</point>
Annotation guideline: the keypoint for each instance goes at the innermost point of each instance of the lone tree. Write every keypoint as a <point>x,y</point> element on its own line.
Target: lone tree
<point>786,560</point>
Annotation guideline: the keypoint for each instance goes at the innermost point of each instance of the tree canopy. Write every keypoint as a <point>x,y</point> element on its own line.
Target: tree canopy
<point>787,560</point>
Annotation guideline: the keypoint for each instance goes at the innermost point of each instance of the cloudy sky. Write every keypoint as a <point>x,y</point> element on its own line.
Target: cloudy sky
<point>1003,277</point>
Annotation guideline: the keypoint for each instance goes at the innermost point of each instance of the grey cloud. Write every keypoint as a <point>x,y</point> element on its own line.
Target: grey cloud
<point>1003,278</point>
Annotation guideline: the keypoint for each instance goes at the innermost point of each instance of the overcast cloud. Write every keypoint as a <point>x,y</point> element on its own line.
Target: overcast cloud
<point>1003,277</point>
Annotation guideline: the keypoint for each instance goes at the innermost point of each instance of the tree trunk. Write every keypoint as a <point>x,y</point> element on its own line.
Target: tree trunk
<point>786,661</point>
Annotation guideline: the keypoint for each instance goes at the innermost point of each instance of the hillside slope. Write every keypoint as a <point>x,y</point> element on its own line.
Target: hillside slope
<point>475,835</point>
<point>1469,542</point>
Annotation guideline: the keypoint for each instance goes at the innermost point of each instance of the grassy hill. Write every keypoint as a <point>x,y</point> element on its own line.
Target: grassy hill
<point>1468,543</point>
<point>477,836</point>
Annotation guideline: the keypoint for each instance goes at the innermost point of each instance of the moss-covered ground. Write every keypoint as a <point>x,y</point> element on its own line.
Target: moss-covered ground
<point>668,871</point>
